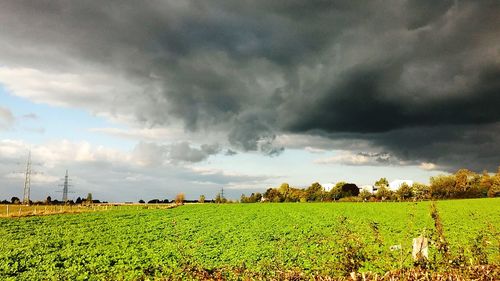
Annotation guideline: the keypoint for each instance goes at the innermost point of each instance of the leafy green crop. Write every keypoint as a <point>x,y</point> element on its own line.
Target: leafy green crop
<point>238,240</point>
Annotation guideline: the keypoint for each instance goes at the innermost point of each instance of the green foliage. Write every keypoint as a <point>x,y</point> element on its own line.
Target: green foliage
<point>405,192</point>
<point>239,241</point>
<point>89,198</point>
<point>462,184</point>
<point>220,199</point>
<point>365,195</point>
<point>421,191</point>
<point>383,193</point>
<point>253,198</point>
<point>314,192</point>
<point>382,182</point>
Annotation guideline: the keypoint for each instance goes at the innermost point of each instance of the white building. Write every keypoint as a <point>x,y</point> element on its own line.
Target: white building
<point>328,186</point>
<point>396,184</point>
<point>369,188</point>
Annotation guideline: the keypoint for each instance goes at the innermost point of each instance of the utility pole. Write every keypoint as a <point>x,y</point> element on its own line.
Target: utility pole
<point>27,181</point>
<point>222,193</point>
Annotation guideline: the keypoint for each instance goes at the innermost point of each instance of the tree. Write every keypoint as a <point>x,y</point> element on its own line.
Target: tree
<point>404,192</point>
<point>257,196</point>
<point>284,190</point>
<point>273,195</point>
<point>48,200</point>
<point>350,189</point>
<point>201,199</point>
<point>220,199</point>
<point>78,200</point>
<point>314,192</point>
<point>141,201</point>
<point>15,200</point>
<point>89,198</point>
<point>382,182</point>
<point>486,182</point>
<point>179,198</point>
<point>365,194</point>
<point>336,191</point>
<point>383,193</point>
<point>421,191</point>
<point>494,190</point>
<point>442,186</point>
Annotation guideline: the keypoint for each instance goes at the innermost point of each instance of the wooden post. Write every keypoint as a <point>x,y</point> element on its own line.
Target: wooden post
<point>19,210</point>
<point>7,210</point>
<point>420,248</point>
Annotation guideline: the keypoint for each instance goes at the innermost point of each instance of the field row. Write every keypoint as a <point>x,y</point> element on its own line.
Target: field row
<point>238,241</point>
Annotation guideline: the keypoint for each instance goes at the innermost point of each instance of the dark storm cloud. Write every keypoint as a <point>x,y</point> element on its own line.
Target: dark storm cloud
<point>377,71</point>
<point>365,102</point>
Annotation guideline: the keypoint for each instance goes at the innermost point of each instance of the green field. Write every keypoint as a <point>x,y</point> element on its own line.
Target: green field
<point>240,240</point>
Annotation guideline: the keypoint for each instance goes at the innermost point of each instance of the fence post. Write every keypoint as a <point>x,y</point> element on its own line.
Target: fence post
<point>7,210</point>
<point>19,210</point>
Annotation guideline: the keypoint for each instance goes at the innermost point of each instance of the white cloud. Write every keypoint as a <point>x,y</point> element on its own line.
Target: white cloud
<point>56,152</point>
<point>92,89</point>
<point>360,158</point>
<point>35,177</point>
<point>428,166</point>
<point>314,150</point>
<point>110,174</point>
<point>346,159</point>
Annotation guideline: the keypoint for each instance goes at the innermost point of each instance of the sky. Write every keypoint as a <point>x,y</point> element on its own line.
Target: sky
<point>146,100</point>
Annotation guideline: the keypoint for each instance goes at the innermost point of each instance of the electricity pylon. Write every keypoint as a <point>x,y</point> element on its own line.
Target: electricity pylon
<point>27,181</point>
<point>65,186</point>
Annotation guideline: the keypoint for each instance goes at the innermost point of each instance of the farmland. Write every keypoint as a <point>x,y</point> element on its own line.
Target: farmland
<point>244,240</point>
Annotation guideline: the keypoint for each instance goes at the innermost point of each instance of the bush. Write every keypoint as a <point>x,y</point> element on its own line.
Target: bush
<point>179,198</point>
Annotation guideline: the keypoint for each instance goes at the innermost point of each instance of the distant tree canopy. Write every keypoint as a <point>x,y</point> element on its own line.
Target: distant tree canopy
<point>350,189</point>
<point>253,198</point>
<point>89,198</point>
<point>220,199</point>
<point>179,198</point>
<point>382,182</point>
<point>462,184</point>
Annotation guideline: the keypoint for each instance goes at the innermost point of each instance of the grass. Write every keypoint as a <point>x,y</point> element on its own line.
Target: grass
<point>242,240</point>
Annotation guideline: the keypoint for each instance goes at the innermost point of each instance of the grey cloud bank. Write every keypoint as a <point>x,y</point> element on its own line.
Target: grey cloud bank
<point>419,80</point>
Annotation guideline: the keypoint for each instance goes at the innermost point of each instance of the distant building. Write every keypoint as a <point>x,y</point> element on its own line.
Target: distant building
<point>328,186</point>
<point>369,188</point>
<point>396,184</point>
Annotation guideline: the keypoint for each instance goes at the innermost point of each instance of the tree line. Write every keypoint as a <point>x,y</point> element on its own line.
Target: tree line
<point>49,201</point>
<point>462,184</point>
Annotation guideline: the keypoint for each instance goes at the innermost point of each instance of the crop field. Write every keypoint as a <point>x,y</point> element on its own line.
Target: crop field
<point>238,241</point>
<point>18,210</point>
